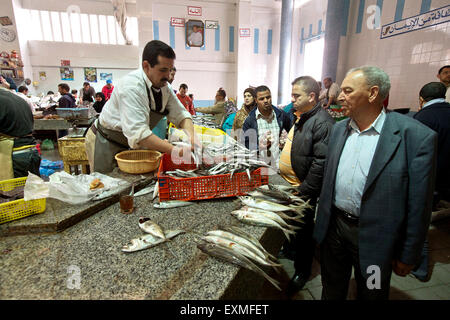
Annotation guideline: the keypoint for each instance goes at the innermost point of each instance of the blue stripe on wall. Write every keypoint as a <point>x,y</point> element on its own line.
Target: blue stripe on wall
<point>172,36</point>
<point>203,103</point>
<point>269,41</point>
<point>187,47</point>
<point>362,5</point>
<point>399,10</point>
<point>217,39</point>
<point>425,7</point>
<point>379,5</point>
<point>345,13</point>
<point>310,30</point>
<point>256,41</point>
<point>231,40</point>
<point>155,30</point>
<point>301,40</point>
<point>320,26</point>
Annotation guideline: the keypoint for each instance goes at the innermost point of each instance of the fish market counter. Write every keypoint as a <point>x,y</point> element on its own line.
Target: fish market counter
<point>85,261</point>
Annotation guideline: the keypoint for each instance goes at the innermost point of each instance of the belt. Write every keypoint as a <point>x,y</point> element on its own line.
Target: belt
<point>24,150</point>
<point>94,129</point>
<point>347,216</point>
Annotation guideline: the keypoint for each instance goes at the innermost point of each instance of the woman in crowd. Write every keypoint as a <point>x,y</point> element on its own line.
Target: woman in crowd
<point>247,107</point>
<point>100,101</point>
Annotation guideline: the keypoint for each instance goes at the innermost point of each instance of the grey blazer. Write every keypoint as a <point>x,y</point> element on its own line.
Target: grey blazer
<point>396,203</point>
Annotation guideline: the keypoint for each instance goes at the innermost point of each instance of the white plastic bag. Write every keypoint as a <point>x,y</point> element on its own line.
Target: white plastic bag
<point>71,189</point>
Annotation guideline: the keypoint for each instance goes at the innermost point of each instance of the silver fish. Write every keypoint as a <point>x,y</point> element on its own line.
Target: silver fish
<point>172,204</point>
<point>268,205</point>
<point>148,240</point>
<point>241,240</point>
<point>270,215</point>
<point>297,218</point>
<point>151,227</point>
<point>240,249</point>
<point>260,220</point>
<point>235,258</point>
<point>156,191</point>
<point>145,191</point>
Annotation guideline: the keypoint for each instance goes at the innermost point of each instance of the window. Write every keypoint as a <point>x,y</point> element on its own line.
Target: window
<point>313,58</point>
<point>79,28</point>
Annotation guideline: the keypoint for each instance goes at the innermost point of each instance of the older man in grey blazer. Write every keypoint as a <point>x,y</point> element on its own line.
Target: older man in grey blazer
<point>375,205</point>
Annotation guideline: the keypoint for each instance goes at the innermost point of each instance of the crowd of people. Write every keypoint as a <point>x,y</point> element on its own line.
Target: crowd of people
<point>372,179</point>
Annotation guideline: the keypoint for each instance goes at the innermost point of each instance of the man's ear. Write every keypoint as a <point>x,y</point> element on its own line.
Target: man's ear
<point>373,93</point>
<point>312,97</point>
<point>145,65</point>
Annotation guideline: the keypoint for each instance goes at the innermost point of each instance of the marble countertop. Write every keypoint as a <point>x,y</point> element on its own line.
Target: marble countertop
<point>85,261</point>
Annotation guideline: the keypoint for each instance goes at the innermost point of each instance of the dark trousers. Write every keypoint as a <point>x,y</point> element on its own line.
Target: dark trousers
<point>302,245</point>
<point>338,254</point>
<point>26,161</point>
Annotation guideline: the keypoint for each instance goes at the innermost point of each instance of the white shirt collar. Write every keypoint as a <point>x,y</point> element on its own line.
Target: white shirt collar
<point>377,125</point>
<point>429,103</point>
<point>260,115</point>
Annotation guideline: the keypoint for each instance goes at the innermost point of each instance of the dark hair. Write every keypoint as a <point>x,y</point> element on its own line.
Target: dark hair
<point>86,84</point>
<point>174,69</point>
<point>101,95</point>
<point>156,48</point>
<point>64,86</point>
<point>50,92</point>
<point>308,84</point>
<point>222,93</point>
<point>261,89</point>
<point>191,95</point>
<point>184,86</point>
<point>441,69</point>
<point>433,90</point>
<point>22,89</point>
<point>74,91</point>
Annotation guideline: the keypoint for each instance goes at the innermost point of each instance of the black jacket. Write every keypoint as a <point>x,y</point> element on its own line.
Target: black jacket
<point>437,117</point>
<point>283,119</point>
<point>67,101</point>
<point>309,149</point>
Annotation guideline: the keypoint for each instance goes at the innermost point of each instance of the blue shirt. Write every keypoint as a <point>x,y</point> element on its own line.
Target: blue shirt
<point>354,165</point>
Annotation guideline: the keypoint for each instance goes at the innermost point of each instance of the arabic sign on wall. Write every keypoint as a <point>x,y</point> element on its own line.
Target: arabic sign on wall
<point>425,20</point>
<point>194,11</point>
<point>244,32</point>
<point>177,22</point>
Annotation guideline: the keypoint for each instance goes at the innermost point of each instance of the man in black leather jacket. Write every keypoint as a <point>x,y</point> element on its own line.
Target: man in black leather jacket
<point>308,153</point>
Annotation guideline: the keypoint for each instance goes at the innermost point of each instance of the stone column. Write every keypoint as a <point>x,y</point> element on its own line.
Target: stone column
<point>287,12</point>
<point>333,30</point>
<point>243,49</point>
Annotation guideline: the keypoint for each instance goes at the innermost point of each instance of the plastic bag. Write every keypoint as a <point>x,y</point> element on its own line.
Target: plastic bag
<point>47,144</point>
<point>71,189</point>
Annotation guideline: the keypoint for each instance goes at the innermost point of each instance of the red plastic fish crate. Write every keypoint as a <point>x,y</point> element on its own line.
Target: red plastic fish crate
<point>205,187</point>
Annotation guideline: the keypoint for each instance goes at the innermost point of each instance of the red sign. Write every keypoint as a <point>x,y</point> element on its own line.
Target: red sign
<point>177,22</point>
<point>65,63</point>
<point>244,32</point>
<point>194,11</point>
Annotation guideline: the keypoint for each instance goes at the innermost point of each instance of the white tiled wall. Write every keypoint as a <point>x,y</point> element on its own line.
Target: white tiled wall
<point>411,59</point>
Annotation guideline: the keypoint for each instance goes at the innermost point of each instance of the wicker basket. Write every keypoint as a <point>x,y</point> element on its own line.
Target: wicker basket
<point>138,161</point>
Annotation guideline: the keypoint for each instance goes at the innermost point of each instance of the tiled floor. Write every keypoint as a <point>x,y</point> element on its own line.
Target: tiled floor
<point>402,288</point>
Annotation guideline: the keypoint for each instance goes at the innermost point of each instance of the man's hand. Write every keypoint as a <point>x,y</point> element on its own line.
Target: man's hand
<point>401,269</point>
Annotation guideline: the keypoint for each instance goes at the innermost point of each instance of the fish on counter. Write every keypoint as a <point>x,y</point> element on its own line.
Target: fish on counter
<point>261,220</point>
<point>236,258</point>
<point>297,218</point>
<point>270,206</point>
<point>269,214</point>
<point>149,240</point>
<point>259,250</point>
<point>172,204</point>
<point>151,227</point>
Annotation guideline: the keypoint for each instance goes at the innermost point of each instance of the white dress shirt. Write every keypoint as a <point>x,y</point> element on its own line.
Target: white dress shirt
<point>195,39</point>
<point>28,100</point>
<point>354,165</point>
<point>270,124</point>
<point>128,108</point>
